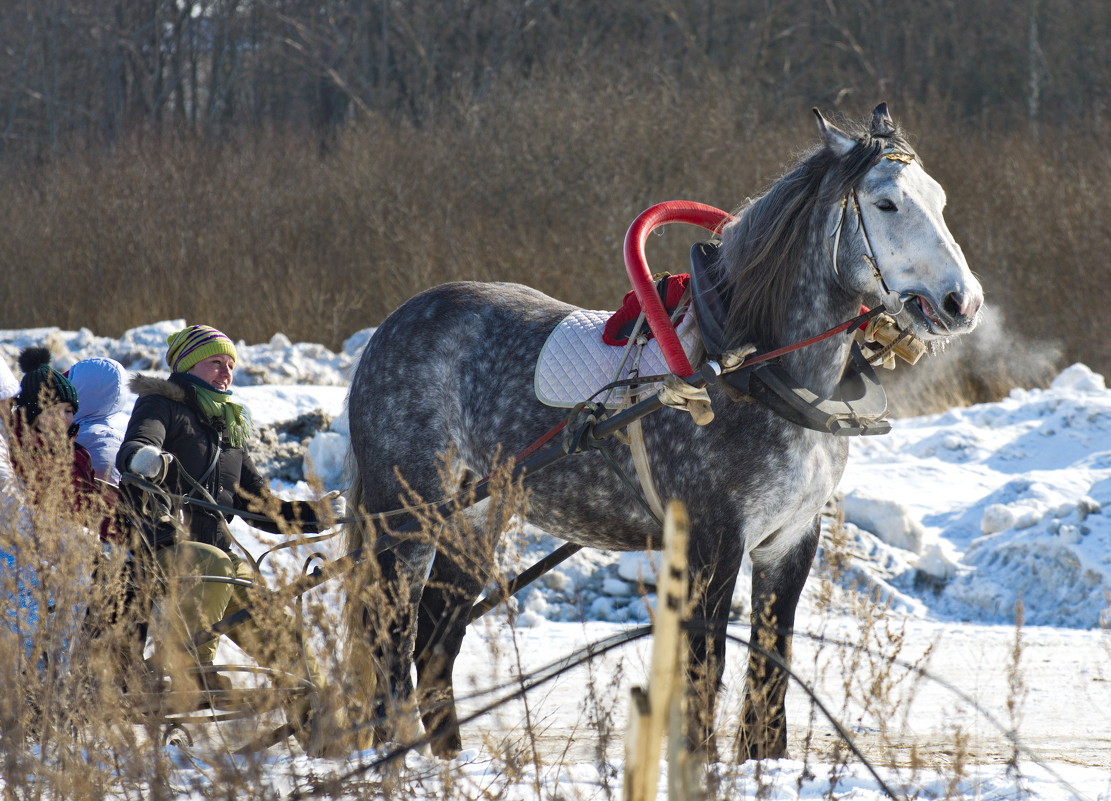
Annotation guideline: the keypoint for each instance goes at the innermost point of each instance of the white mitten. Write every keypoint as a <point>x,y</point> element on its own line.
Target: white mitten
<point>150,462</point>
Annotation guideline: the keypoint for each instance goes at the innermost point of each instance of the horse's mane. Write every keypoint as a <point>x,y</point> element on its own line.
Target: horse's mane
<point>762,251</point>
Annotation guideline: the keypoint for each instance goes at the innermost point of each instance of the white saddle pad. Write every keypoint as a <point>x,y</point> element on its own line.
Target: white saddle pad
<point>575,363</point>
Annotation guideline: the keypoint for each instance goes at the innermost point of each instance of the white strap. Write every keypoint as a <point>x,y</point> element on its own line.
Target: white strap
<point>639,453</point>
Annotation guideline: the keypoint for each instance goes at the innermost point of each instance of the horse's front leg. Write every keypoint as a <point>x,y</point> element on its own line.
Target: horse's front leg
<point>778,577</point>
<point>714,563</point>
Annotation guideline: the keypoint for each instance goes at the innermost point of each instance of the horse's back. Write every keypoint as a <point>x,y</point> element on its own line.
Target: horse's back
<point>446,326</point>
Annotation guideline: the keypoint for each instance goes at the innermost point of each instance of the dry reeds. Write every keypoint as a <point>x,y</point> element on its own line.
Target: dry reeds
<point>80,715</point>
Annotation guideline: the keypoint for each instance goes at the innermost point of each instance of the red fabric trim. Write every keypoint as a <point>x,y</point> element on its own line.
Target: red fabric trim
<point>676,286</point>
<point>630,309</point>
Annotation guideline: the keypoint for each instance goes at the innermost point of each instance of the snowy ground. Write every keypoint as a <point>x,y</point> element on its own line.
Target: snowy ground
<point>953,519</point>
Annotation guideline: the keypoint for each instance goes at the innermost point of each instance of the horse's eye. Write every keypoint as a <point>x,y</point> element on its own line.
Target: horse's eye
<point>886,205</point>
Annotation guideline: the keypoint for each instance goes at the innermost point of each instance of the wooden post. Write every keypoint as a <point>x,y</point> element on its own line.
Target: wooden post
<point>649,712</point>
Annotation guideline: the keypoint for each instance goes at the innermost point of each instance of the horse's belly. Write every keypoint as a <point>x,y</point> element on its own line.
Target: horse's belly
<point>591,508</point>
<point>582,501</point>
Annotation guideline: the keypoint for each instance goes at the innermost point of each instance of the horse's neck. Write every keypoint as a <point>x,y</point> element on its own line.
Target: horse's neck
<point>816,307</point>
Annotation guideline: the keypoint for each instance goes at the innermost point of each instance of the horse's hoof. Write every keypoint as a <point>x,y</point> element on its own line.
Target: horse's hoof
<point>326,734</point>
<point>447,747</point>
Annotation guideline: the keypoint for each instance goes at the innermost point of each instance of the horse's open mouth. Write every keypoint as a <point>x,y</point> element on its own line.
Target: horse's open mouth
<point>927,314</point>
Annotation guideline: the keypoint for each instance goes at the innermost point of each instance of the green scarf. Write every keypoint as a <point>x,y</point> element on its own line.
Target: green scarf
<point>215,404</point>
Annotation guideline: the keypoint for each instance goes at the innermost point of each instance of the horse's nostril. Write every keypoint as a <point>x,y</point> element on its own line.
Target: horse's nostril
<point>953,305</point>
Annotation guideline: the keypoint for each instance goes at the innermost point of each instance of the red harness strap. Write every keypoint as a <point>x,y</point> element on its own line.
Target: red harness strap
<point>860,320</point>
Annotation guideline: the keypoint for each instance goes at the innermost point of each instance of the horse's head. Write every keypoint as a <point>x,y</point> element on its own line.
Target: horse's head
<point>889,239</point>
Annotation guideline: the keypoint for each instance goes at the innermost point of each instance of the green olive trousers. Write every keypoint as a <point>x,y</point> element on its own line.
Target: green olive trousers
<point>270,636</point>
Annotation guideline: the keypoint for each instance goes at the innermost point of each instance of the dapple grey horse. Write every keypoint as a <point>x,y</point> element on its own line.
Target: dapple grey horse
<point>857,221</point>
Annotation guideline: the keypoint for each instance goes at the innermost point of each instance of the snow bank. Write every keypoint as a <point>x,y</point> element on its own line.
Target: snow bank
<point>1013,492</point>
<point>278,361</point>
<point>957,516</point>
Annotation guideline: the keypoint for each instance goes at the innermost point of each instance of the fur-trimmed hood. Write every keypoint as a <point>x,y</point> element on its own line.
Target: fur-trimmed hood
<point>143,385</point>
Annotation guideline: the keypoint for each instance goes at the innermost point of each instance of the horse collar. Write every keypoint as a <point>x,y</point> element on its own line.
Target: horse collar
<point>857,407</point>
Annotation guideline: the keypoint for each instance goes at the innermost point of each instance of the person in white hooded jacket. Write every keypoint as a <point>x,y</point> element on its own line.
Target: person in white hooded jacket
<point>9,388</point>
<point>105,411</point>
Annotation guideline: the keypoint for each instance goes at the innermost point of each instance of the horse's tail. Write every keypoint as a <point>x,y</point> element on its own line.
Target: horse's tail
<point>355,531</point>
<point>362,672</point>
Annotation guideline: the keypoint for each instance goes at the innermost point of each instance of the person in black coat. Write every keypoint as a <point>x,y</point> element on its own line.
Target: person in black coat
<point>187,436</point>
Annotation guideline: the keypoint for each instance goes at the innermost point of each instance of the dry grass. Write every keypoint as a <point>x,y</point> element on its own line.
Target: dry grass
<point>72,725</point>
<point>533,182</point>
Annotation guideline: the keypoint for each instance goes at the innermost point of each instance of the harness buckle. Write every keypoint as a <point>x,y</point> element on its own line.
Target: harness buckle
<point>578,435</point>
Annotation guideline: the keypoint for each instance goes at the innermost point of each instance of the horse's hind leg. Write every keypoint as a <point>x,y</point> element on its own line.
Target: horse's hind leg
<point>777,584</point>
<point>441,625</point>
<point>392,620</point>
<point>456,580</point>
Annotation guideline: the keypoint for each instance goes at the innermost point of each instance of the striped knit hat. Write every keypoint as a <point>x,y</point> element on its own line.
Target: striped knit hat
<point>196,343</point>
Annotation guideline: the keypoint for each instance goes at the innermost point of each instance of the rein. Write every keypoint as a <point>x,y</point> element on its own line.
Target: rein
<point>869,253</point>
<point>859,321</point>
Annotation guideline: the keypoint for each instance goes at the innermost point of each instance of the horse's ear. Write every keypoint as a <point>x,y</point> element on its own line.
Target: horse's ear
<point>836,140</point>
<point>882,124</point>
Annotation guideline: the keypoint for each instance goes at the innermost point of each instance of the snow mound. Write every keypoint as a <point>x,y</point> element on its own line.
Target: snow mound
<point>1010,493</point>
<point>278,361</point>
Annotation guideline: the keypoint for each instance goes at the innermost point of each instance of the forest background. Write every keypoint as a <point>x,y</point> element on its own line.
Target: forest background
<point>304,167</point>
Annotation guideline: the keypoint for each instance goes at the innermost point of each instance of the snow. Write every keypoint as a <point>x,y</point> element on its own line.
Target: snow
<point>1012,491</point>
<point>951,521</point>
